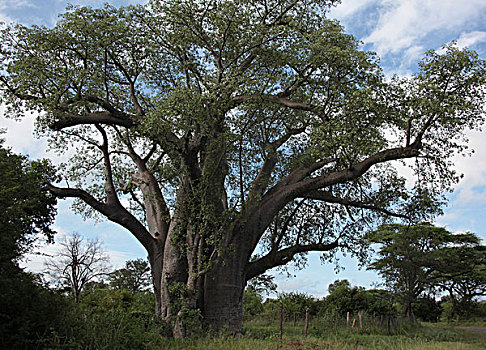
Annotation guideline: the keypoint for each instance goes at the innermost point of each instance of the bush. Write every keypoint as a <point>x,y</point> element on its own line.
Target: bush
<point>28,311</point>
<point>252,303</point>
<point>427,309</point>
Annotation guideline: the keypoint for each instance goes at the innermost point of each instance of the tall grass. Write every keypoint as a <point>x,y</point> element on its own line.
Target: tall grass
<point>119,329</point>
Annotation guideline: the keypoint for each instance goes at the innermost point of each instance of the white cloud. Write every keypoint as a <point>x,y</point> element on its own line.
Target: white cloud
<point>474,170</point>
<point>404,22</point>
<point>19,135</point>
<point>15,4</point>
<point>348,8</point>
<point>470,39</point>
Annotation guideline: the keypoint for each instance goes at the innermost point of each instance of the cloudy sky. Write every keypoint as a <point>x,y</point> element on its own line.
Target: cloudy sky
<point>400,31</point>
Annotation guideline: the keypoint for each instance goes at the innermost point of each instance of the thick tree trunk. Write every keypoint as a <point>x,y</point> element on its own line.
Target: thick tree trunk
<point>223,297</point>
<point>174,277</point>
<point>156,257</point>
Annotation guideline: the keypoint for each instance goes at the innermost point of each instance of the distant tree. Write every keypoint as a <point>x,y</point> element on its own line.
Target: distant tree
<point>297,303</point>
<point>462,274</point>
<point>135,276</point>
<point>345,298</point>
<point>379,301</point>
<point>409,257</point>
<point>427,308</point>
<point>338,284</point>
<point>252,302</point>
<point>76,263</point>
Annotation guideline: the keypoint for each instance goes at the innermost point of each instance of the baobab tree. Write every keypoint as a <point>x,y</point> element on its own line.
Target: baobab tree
<point>232,137</point>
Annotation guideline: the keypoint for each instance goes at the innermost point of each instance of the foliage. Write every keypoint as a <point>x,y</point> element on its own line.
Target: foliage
<point>345,298</point>
<point>135,276</point>
<point>28,310</point>
<point>462,274</point>
<point>427,309</point>
<point>27,209</point>
<point>252,302</point>
<point>112,329</point>
<point>379,302</point>
<point>263,284</point>
<point>77,263</point>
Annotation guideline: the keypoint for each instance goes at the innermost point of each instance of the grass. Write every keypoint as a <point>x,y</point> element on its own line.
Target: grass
<point>263,335</point>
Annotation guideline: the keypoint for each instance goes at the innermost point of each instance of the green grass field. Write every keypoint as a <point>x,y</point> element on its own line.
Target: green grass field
<point>261,335</point>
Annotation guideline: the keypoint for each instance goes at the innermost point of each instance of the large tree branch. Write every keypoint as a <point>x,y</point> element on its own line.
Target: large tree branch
<point>302,172</point>
<point>114,212</point>
<point>131,82</point>
<point>111,195</point>
<point>355,171</point>
<point>261,181</point>
<point>168,140</point>
<point>284,256</point>
<point>93,118</point>
<point>158,215</point>
<point>16,93</point>
<point>326,196</point>
<point>103,103</point>
<point>261,213</point>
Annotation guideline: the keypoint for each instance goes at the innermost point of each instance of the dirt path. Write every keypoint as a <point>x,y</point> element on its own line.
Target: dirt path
<point>474,329</point>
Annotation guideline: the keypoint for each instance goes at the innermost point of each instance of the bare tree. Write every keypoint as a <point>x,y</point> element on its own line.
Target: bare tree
<point>78,262</point>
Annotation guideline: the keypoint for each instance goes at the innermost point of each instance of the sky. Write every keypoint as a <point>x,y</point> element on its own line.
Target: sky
<point>399,31</point>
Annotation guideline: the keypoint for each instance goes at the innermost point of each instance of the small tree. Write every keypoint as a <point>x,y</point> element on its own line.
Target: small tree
<point>77,263</point>
<point>135,276</point>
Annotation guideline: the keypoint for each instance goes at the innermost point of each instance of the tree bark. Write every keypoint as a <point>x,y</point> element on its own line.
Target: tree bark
<point>156,257</point>
<point>223,296</point>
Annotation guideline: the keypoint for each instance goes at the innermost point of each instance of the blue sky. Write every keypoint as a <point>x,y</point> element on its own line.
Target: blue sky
<point>400,31</point>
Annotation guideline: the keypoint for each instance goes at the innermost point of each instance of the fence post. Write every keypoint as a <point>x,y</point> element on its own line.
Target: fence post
<point>306,322</point>
<point>360,315</point>
<point>347,319</point>
<point>281,320</point>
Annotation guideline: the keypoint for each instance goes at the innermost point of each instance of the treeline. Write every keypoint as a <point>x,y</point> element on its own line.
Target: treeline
<point>345,300</point>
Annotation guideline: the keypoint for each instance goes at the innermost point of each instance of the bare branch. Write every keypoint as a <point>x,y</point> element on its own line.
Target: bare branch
<point>284,256</point>
<point>113,212</point>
